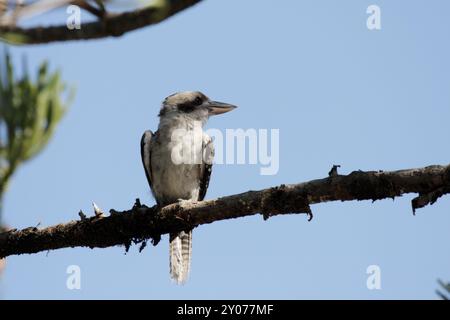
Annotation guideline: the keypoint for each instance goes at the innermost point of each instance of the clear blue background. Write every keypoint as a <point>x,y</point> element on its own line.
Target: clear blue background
<point>338,92</point>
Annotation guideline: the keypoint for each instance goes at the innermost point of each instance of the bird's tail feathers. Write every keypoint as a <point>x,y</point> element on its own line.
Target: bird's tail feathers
<point>180,256</point>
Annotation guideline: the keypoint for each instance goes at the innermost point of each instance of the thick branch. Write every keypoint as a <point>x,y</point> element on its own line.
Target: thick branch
<point>110,25</point>
<point>141,222</point>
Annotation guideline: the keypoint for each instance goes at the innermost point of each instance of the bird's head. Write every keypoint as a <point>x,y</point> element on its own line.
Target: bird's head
<point>193,105</point>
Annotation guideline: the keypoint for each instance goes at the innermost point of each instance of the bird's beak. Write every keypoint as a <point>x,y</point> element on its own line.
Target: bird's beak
<point>216,107</point>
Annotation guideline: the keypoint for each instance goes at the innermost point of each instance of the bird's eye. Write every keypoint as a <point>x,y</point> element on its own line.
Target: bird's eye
<point>198,101</point>
<point>190,106</point>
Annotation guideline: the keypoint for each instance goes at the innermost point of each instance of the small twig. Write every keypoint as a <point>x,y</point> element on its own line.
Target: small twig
<point>334,170</point>
<point>98,12</point>
<point>82,215</point>
<point>98,212</point>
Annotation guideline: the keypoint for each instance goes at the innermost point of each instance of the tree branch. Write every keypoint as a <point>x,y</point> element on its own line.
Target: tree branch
<point>141,222</point>
<point>110,25</point>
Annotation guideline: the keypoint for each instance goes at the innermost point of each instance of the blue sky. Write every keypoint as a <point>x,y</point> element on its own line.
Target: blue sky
<point>339,93</point>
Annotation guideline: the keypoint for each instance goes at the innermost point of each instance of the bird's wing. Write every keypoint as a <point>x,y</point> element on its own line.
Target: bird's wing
<point>146,155</point>
<point>206,166</point>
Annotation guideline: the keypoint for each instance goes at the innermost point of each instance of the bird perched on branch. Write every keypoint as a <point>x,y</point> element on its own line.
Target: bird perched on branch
<point>177,159</point>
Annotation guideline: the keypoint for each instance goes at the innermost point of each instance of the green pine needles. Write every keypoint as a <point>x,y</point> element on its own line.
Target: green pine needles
<point>29,113</point>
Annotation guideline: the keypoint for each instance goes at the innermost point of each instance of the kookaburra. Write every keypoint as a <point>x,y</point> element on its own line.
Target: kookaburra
<point>180,131</point>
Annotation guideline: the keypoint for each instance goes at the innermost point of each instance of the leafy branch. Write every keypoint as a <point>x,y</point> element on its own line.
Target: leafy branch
<point>29,112</point>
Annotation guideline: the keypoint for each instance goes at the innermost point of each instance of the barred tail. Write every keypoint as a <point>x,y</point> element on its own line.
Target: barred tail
<point>180,256</point>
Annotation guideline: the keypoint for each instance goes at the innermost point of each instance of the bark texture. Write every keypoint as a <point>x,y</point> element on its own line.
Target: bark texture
<point>141,223</point>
